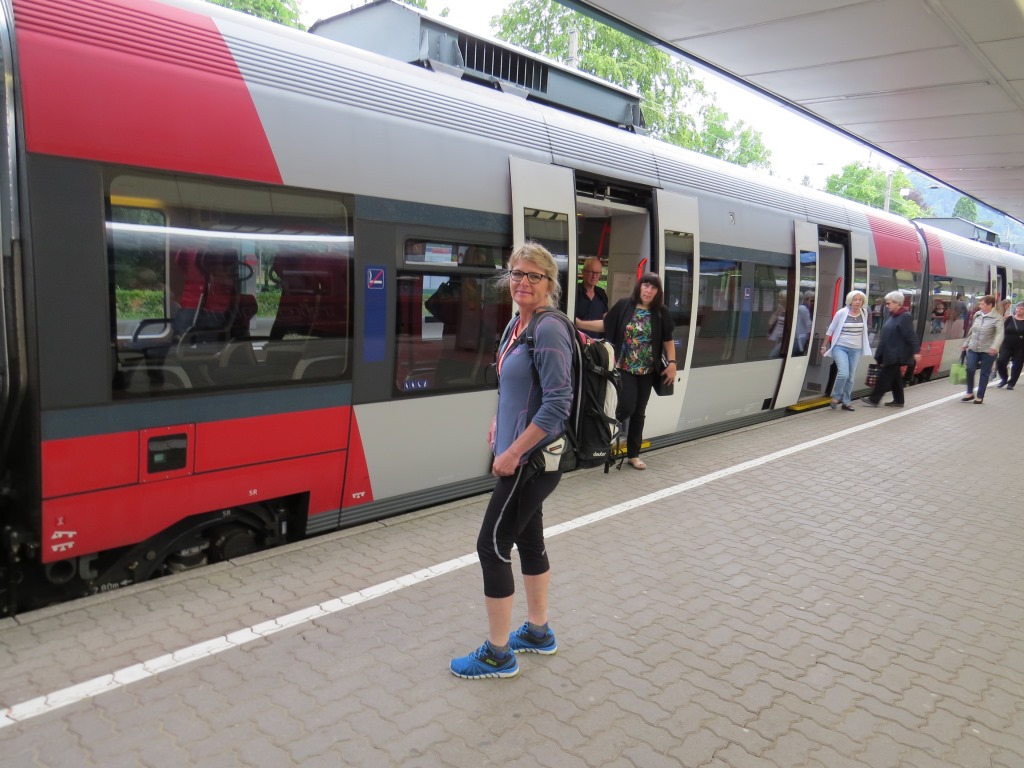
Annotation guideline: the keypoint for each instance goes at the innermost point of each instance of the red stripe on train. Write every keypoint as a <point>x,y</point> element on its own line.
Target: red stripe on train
<point>159,89</point>
<point>101,492</point>
<point>117,517</point>
<point>83,464</point>
<point>897,244</point>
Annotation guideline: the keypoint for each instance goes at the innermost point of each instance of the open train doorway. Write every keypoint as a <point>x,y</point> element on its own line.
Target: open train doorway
<point>617,234</point>
<point>835,278</point>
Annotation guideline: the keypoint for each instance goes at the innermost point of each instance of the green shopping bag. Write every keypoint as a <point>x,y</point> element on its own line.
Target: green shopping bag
<point>958,374</point>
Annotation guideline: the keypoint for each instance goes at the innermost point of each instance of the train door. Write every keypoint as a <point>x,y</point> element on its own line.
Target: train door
<point>800,310</point>
<point>824,300</point>
<point>677,239</point>
<point>544,210</point>
<point>999,284</point>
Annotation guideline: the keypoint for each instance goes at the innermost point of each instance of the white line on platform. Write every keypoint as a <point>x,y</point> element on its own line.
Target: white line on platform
<point>41,705</point>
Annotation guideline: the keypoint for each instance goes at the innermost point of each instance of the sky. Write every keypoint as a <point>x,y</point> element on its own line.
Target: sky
<point>799,146</point>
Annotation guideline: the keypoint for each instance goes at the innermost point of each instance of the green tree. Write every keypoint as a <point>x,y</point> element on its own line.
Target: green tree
<point>966,208</point>
<point>281,11</point>
<point>868,185</point>
<point>676,105</point>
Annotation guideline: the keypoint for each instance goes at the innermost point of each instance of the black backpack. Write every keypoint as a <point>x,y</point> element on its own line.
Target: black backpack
<point>591,430</point>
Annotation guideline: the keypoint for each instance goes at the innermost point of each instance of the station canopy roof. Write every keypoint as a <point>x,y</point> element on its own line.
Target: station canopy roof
<point>936,84</point>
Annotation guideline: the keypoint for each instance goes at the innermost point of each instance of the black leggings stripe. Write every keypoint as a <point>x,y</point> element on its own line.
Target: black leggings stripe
<point>514,515</point>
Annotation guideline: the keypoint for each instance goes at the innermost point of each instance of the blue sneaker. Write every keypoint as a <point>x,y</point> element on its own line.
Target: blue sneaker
<point>524,641</point>
<point>483,663</point>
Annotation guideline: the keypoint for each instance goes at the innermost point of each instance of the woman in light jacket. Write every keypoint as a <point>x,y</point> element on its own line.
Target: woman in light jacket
<point>845,341</point>
<point>982,345</point>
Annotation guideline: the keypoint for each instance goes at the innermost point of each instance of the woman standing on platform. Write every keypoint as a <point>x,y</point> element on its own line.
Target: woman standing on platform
<point>534,399</point>
<point>1012,348</point>
<point>845,341</point>
<point>640,329</point>
<point>898,345</point>
<point>982,345</point>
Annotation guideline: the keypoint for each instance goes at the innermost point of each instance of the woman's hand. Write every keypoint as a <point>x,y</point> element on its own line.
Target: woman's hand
<point>505,464</point>
<point>669,373</point>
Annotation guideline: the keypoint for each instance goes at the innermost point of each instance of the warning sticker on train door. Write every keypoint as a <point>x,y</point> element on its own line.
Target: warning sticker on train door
<point>375,278</point>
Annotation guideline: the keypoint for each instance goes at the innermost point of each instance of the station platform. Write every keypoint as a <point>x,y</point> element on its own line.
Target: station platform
<point>830,589</point>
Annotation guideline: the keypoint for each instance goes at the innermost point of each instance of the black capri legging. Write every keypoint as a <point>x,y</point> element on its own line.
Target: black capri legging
<point>514,516</point>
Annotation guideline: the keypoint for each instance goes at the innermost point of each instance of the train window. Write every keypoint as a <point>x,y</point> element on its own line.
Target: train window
<point>860,276</point>
<point>951,305</point>
<point>217,285</point>
<point>885,280</point>
<point>679,287</point>
<point>450,317</point>
<point>805,307</point>
<point>1016,291</point>
<point>738,312</point>
<point>551,230</point>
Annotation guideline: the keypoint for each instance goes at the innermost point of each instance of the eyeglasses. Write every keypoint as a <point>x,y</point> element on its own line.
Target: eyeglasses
<point>592,271</point>
<point>517,276</point>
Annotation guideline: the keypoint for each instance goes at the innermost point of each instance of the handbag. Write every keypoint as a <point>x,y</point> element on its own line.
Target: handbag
<point>661,388</point>
<point>872,377</point>
<point>958,374</point>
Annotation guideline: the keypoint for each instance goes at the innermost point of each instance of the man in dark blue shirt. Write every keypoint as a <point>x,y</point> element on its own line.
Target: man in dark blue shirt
<point>591,301</point>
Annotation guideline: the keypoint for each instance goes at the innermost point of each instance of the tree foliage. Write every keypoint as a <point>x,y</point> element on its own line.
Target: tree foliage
<point>281,11</point>
<point>676,104</point>
<point>966,208</point>
<point>868,185</point>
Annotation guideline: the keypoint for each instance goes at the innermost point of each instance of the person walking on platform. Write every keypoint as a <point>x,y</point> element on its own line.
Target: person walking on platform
<point>534,400</point>
<point>898,345</point>
<point>1012,348</point>
<point>982,345</point>
<point>845,341</point>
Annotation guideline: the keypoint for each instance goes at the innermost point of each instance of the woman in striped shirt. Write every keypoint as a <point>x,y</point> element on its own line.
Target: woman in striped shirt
<point>845,341</point>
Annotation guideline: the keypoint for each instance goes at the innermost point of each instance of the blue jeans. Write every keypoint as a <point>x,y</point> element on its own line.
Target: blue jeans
<point>846,361</point>
<point>976,360</point>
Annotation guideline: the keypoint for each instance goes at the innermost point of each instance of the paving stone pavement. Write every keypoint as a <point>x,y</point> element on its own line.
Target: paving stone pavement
<point>856,603</point>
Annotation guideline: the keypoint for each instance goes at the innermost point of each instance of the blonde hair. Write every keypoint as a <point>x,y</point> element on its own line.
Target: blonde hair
<point>541,257</point>
<point>853,295</point>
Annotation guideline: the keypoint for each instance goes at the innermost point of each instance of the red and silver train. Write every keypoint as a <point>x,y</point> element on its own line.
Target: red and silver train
<point>250,282</point>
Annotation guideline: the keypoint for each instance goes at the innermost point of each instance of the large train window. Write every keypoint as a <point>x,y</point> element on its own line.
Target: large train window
<point>452,308</point>
<point>885,280</point>
<point>952,302</point>
<point>679,287</point>
<point>741,305</point>
<point>218,285</point>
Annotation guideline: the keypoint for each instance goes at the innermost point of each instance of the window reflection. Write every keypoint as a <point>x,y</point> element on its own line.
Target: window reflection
<point>951,305</point>
<point>449,318</point>
<point>741,311</point>
<point>885,280</point>
<point>551,229</point>
<point>213,286</point>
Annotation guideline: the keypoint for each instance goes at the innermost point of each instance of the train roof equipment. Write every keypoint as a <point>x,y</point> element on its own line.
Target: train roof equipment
<point>400,32</point>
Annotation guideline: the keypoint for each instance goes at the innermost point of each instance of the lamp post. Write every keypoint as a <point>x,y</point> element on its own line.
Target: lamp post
<point>904,191</point>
